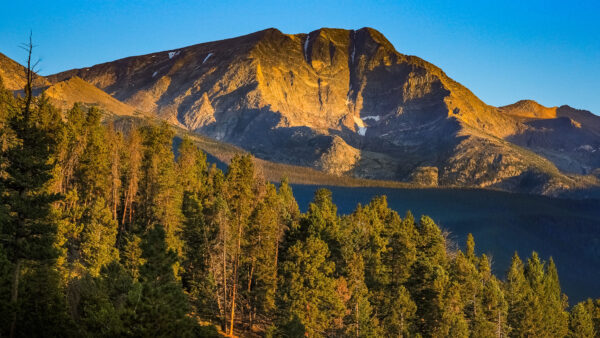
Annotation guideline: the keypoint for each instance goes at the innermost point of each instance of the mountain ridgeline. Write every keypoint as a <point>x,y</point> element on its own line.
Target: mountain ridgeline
<point>347,103</point>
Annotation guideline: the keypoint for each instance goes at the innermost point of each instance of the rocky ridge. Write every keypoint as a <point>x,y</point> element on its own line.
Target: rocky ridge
<point>346,102</point>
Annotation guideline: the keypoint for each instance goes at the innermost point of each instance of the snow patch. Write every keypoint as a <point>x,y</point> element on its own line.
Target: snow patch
<point>206,58</point>
<point>587,147</point>
<point>154,74</point>
<point>306,47</point>
<point>353,53</point>
<point>174,54</point>
<point>362,129</point>
<point>376,118</point>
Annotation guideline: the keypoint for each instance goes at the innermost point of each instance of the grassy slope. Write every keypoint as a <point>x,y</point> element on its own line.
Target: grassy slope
<point>65,93</point>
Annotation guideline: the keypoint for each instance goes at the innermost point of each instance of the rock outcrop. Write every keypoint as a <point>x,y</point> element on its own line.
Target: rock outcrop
<point>348,103</point>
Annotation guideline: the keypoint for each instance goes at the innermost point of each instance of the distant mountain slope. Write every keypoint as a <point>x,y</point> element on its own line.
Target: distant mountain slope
<point>570,138</point>
<point>529,109</point>
<point>346,102</point>
<point>66,93</point>
<point>14,76</point>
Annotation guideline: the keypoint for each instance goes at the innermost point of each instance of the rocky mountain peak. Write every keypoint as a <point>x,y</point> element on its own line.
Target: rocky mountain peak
<point>346,102</point>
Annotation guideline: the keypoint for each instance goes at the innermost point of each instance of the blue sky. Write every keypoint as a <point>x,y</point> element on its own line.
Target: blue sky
<point>503,51</point>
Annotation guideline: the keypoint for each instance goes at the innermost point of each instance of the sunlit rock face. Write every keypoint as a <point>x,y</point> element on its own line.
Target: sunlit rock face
<point>346,102</point>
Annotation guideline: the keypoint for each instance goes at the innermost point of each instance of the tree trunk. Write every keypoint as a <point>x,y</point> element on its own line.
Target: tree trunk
<point>235,277</point>
<point>224,285</point>
<point>15,296</point>
<point>357,321</point>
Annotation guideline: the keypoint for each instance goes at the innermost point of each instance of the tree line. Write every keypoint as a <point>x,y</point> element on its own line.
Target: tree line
<point>117,232</point>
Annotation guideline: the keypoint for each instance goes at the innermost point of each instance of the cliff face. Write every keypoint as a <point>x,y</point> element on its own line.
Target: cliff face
<point>342,101</point>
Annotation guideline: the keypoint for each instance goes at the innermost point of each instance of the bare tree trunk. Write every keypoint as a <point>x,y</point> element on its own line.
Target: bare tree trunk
<point>14,297</point>
<point>250,305</point>
<point>235,277</point>
<point>29,70</point>
<point>357,321</point>
<point>125,207</point>
<point>224,284</point>
<point>499,326</point>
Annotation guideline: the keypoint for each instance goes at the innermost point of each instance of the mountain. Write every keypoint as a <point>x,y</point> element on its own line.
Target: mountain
<point>62,94</point>
<point>14,75</point>
<point>75,90</point>
<point>570,138</point>
<point>346,102</point>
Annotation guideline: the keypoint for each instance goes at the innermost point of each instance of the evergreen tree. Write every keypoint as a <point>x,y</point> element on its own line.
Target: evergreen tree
<point>131,256</point>
<point>308,290</point>
<point>199,239</point>
<point>108,302</point>
<point>160,194</point>
<point>556,318</point>
<point>494,308</point>
<point>162,306</point>
<point>593,308</point>
<point>260,251</point>
<point>321,221</point>
<point>429,280</point>
<point>131,177</point>
<point>580,323</point>
<point>98,238</point>
<point>27,230</point>
<point>240,194</point>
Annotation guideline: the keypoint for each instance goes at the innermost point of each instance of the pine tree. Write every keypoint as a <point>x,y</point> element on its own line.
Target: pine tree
<point>580,323</point>
<point>88,227</point>
<point>108,302</point>
<point>132,165</point>
<point>199,239</point>
<point>131,256</point>
<point>321,220</point>
<point>308,289</point>
<point>28,232</point>
<point>240,194</point>
<point>593,308</point>
<point>261,244</point>
<point>494,308</point>
<point>191,167</point>
<point>359,321</point>
<point>429,280</point>
<point>393,301</point>
<point>401,316</point>
<point>163,306</point>
<point>160,195</point>
<point>556,318</point>
<point>98,238</point>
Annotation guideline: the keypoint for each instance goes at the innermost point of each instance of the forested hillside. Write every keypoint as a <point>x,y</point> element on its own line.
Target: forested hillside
<point>112,233</point>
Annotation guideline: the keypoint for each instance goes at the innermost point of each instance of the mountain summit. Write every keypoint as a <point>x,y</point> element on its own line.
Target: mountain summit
<point>346,102</point>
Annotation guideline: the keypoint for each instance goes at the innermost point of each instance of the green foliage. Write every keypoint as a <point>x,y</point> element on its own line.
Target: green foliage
<point>145,243</point>
<point>160,194</point>
<point>163,306</point>
<point>581,323</point>
<point>308,289</point>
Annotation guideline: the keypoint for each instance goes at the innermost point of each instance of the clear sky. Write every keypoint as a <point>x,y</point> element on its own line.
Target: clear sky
<point>503,50</point>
